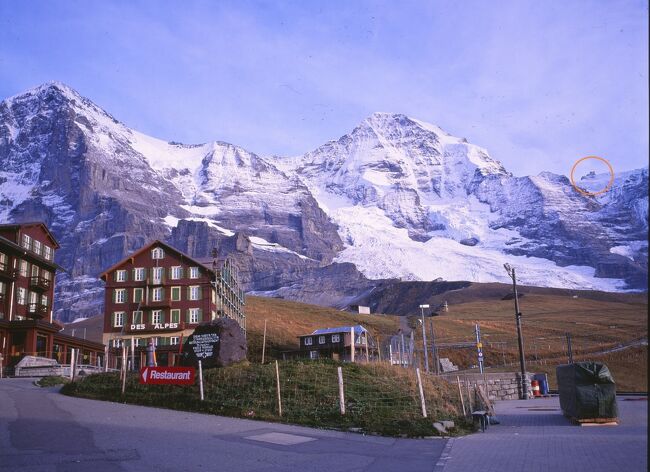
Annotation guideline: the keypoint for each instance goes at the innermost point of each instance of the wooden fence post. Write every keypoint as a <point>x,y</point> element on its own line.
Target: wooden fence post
<point>264,343</point>
<point>367,354</point>
<point>378,348</point>
<point>277,379</point>
<point>341,392</point>
<point>424,407</point>
<point>201,380</point>
<point>460,392</point>
<point>124,355</point>
<point>71,363</point>
<point>469,396</point>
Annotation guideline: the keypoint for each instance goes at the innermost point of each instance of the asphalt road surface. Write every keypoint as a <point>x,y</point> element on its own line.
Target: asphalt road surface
<point>44,431</point>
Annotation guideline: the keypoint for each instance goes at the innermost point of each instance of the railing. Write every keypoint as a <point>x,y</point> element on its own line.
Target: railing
<point>8,272</point>
<point>37,310</point>
<point>155,303</point>
<point>39,283</point>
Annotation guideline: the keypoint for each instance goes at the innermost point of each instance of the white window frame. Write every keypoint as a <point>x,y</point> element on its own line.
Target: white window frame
<point>47,252</point>
<point>177,272</point>
<point>194,315</point>
<point>116,342</point>
<point>194,272</point>
<point>26,241</point>
<point>44,300</point>
<point>313,354</point>
<point>22,268</point>
<point>139,274</point>
<point>157,253</point>
<point>195,291</point>
<point>180,294</point>
<point>33,297</point>
<point>37,246</point>
<point>173,340</point>
<point>156,316</point>
<point>21,296</point>
<point>120,275</point>
<point>309,341</point>
<point>171,315</point>
<point>321,339</point>
<point>157,294</point>
<point>120,295</point>
<point>336,338</point>
<point>157,274</point>
<point>118,319</point>
<point>139,314</point>
<point>139,290</point>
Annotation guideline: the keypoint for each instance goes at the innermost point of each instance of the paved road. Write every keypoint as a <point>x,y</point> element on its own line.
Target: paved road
<point>534,436</point>
<point>43,431</point>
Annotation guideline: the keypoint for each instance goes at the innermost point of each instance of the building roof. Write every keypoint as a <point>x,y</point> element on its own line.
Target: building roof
<point>146,247</point>
<point>33,223</point>
<point>358,329</point>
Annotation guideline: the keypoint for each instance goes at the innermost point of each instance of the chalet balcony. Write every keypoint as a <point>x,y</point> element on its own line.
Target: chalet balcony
<point>151,304</point>
<point>39,284</point>
<point>37,310</point>
<point>7,272</point>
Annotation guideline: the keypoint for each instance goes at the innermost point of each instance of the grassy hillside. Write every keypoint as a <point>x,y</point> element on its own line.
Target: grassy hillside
<point>379,399</point>
<point>286,320</point>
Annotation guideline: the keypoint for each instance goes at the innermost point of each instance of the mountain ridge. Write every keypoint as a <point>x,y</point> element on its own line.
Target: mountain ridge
<point>396,197</point>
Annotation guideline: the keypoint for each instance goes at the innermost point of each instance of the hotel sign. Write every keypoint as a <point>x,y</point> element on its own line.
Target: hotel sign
<point>155,326</point>
<point>167,375</point>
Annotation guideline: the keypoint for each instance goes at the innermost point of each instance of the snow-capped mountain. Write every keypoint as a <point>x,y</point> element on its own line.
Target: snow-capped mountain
<point>397,198</point>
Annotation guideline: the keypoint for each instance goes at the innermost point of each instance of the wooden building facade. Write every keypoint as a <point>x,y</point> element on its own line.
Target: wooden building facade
<point>27,276</point>
<point>160,294</point>
<point>335,343</point>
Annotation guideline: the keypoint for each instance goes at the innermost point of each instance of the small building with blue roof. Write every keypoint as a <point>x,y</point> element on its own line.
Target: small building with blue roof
<point>335,343</point>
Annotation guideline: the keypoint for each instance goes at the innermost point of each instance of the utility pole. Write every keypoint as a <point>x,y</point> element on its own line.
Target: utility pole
<point>479,347</point>
<point>424,339</point>
<point>520,340</point>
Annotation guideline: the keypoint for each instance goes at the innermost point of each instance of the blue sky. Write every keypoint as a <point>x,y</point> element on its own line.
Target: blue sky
<point>539,84</point>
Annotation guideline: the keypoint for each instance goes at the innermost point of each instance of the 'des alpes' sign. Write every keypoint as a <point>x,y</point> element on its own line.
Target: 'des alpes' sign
<point>167,375</point>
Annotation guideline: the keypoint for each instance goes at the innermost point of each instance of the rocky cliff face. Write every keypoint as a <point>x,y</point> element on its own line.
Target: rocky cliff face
<point>396,198</point>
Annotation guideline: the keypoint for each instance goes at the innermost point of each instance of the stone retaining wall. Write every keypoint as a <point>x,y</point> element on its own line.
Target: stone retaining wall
<point>500,385</point>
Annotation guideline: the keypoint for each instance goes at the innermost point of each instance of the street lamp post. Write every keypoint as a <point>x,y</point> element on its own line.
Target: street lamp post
<point>520,340</point>
<point>424,339</point>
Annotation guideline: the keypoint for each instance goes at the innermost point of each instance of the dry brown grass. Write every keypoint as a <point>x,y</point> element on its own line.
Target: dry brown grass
<point>286,320</point>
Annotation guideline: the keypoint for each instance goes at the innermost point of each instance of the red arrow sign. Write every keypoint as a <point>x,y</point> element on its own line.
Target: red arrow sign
<point>167,375</point>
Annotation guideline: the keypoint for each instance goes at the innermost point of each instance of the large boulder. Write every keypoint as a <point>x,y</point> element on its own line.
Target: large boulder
<point>218,343</point>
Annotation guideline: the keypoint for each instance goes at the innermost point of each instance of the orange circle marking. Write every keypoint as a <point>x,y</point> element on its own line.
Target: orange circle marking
<point>583,191</point>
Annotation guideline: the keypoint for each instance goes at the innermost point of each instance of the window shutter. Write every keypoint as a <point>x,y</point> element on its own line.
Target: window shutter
<point>114,296</point>
<point>162,293</point>
<point>189,293</point>
<point>114,276</point>
<point>200,293</point>
<point>126,275</point>
<point>132,274</point>
<point>200,315</point>
<point>112,319</point>
<point>187,316</point>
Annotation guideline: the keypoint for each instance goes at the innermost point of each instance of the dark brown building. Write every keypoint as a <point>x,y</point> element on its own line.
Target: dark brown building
<point>27,272</point>
<point>161,294</point>
<point>334,343</point>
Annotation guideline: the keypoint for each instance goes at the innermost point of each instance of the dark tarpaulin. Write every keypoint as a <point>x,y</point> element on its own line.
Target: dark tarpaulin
<point>587,390</point>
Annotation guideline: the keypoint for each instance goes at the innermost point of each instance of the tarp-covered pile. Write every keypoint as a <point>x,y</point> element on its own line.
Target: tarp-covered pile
<point>587,390</point>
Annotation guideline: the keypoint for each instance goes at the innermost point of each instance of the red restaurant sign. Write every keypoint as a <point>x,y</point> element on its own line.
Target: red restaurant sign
<point>167,375</point>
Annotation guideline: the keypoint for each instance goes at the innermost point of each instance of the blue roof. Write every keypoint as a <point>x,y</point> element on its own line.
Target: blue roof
<point>358,329</point>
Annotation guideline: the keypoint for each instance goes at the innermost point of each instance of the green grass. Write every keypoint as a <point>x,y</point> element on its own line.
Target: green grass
<point>51,381</point>
<point>379,399</point>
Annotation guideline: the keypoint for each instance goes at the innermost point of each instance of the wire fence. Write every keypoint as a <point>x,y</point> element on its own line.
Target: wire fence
<point>377,397</point>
